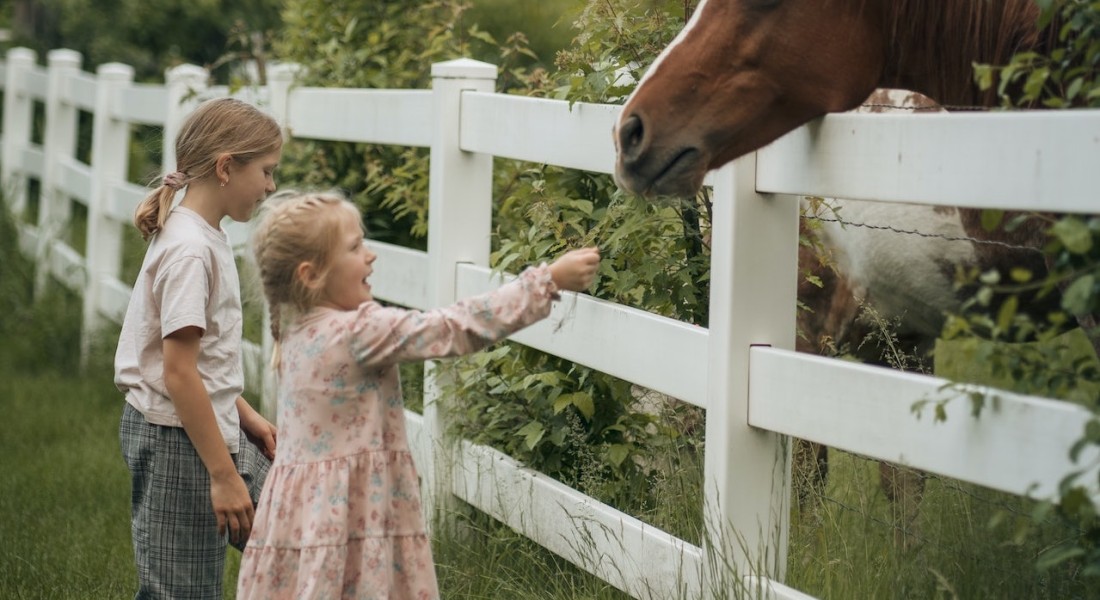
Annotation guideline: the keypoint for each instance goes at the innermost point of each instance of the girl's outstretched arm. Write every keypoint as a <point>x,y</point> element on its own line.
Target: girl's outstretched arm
<point>388,335</point>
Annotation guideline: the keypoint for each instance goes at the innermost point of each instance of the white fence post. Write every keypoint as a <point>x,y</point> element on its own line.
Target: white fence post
<point>280,79</point>
<point>754,266</point>
<point>18,116</point>
<point>185,83</point>
<point>54,207</point>
<point>459,224</point>
<point>110,161</point>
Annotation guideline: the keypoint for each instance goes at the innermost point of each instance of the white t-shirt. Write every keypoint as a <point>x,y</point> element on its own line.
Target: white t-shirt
<point>188,278</point>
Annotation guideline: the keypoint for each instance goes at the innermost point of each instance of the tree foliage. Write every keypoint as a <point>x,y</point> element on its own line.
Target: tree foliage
<point>1068,76</point>
<point>150,35</point>
<point>380,44</point>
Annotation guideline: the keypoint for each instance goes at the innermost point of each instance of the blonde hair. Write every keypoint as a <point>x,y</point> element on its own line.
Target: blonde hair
<point>292,228</point>
<point>216,127</point>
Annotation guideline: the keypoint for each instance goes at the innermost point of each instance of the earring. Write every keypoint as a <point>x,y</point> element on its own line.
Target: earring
<point>224,182</point>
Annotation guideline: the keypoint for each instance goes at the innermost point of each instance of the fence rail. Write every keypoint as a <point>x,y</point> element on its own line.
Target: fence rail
<point>741,369</point>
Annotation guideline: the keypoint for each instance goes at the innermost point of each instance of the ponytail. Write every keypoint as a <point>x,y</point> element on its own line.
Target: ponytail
<point>151,213</point>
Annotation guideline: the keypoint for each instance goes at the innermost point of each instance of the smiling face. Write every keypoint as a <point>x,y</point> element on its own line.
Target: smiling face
<point>344,283</point>
<point>249,184</point>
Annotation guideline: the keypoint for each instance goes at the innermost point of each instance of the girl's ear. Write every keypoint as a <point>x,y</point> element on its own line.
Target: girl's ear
<point>221,167</point>
<point>308,275</point>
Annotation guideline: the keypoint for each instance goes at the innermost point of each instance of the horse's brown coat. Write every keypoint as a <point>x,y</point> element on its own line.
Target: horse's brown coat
<point>745,72</point>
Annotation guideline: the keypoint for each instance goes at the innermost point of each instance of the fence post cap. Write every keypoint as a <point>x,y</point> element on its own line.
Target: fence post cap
<point>464,68</point>
<point>114,70</point>
<point>185,72</point>
<point>63,57</point>
<point>22,55</point>
<point>285,70</point>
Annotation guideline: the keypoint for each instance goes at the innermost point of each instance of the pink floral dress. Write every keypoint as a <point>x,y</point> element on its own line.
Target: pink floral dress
<point>340,516</point>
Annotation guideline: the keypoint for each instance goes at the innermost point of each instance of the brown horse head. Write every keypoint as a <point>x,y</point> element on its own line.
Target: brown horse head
<point>744,72</point>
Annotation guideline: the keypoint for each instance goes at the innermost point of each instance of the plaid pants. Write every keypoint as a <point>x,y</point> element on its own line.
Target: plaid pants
<point>178,551</point>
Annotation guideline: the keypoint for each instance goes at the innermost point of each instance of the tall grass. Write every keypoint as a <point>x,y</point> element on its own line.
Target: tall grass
<point>64,491</point>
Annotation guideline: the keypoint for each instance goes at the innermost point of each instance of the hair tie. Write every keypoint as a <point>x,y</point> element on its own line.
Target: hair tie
<point>175,180</point>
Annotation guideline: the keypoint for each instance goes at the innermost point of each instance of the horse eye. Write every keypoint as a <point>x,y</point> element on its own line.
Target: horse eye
<point>764,4</point>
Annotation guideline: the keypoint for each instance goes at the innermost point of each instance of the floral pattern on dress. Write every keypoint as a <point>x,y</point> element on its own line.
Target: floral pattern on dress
<point>340,514</point>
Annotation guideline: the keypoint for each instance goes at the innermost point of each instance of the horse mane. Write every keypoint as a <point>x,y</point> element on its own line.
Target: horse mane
<point>924,33</point>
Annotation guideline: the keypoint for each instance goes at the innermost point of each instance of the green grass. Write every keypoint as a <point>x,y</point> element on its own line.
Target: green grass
<point>964,542</point>
<point>64,490</point>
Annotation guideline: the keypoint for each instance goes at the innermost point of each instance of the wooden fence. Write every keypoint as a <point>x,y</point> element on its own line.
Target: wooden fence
<point>742,370</point>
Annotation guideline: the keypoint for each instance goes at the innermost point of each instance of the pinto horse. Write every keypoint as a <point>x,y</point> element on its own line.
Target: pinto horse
<point>742,73</point>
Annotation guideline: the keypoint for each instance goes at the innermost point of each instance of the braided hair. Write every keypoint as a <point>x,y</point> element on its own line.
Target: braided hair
<point>295,228</point>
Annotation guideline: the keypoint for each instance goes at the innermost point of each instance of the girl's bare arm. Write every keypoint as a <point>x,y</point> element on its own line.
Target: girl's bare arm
<point>228,493</point>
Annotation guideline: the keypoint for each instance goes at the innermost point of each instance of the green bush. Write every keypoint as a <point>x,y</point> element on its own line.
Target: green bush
<point>1067,77</point>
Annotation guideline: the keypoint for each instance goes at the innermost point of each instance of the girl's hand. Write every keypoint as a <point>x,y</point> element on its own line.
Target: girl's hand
<point>575,270</point>
<point>232,506</point>
<point>257,429</point>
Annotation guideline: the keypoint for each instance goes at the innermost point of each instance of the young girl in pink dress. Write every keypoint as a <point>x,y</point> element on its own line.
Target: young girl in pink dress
<point>339,515</point>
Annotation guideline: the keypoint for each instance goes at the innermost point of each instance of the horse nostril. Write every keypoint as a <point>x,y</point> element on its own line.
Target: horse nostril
<point>631,133</point>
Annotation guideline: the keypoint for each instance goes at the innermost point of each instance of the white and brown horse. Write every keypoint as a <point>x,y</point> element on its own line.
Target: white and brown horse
<point>742,73</point>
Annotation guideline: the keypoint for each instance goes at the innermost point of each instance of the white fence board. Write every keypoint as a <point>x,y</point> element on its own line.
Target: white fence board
<point>613,339</point>
<point>401,117</point>
<point>67,265</point>
<point>250,93</point>
<point>238,233</point>
<point>619,549</point>
<point>34,161</point>
<point>35,84</point>
<point>80,91</point>
<point>143,104</point>
<point>75,179</point>
<point>540,131</point>
<point>123,200</point>
<point>1043,160</point>
<point>1020,444</point>
<point>419,445</point>
<point>114,296</point>
<point>400,275</point>
<point>28,239</point>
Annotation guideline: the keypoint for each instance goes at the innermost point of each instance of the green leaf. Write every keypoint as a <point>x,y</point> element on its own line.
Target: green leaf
<point>1074,88</point>
<point>532,434</point>
<point>1057,556</point>
<point>1074,234</point>
<point>1078,298</point>
<point>1020,274</point>
<point>617,453</point>
<point>991,218</point>
<point>581,400</point>
<point>1007,313</point>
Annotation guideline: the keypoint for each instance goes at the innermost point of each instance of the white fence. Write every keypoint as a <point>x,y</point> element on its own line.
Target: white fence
<point>742,370</point>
